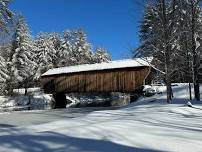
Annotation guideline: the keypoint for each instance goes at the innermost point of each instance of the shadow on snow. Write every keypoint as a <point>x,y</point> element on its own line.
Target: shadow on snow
<point>51,141</point>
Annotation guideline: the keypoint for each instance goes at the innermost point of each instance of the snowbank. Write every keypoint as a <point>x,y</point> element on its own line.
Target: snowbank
<point>35,99</point>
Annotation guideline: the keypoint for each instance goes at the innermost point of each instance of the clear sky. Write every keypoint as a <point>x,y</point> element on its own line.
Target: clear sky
<point>112,24</point>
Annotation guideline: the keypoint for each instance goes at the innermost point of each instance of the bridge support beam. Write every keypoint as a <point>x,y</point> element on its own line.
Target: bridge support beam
<point>60,100</point>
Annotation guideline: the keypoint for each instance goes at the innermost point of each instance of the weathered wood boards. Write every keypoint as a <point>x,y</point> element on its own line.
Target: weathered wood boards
<point>110,80</point>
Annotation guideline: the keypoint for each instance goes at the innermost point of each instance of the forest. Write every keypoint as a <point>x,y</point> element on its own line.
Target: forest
<point>24,57</point>
<point>171,32</point>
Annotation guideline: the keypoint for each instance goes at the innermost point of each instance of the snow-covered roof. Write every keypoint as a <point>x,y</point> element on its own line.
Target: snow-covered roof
<point>137,62</point>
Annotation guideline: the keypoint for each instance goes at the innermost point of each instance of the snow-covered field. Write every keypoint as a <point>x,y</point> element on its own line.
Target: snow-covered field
<point>145,126</point>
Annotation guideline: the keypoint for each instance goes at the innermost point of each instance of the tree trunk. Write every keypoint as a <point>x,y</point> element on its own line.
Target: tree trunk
<point>190,96</point>
<point>169,89</point>
<point>167,52</point>
<point>25,91</point>
<point>9,88</point>
<point>188,66</point>
<point>194,53</point>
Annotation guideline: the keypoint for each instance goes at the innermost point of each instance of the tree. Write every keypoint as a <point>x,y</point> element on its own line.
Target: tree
<point>5,19</point>
<point>53,50</point>
<point>185,43</point>
<point>195,29</point>
<point>75,49</point>
<point>3,71</point>
<point>66,48</point>
<point>101,55</point>
<point>20,59</point>
<point>56,40</point>
<point>158,37</point>
<point>45,53</point>
<point>5,15</point>
<point>171,32</point>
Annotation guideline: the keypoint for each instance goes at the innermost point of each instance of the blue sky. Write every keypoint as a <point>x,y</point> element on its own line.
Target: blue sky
<point>112,24</point>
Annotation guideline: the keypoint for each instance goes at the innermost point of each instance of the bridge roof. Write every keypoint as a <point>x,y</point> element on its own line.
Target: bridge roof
<point>119,64</point>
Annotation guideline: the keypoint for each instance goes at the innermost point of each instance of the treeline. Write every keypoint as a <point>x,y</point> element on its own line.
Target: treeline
<point>171,32</point>
<point>23,58</point>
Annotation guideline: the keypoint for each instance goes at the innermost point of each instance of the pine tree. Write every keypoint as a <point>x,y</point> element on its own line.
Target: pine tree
<point>45,53</point>
<point>5,20</point>
<point>101,55</point>
<point>4,49</point>
<point>56,40</point>
<point>4,76</point>
<point>66,47</point>
<point>81,48</point>
<point>75,48</point>
<point>20,61</point>
<point>5,15</point>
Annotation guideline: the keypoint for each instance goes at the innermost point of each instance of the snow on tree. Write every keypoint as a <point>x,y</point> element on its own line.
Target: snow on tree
<point>5,15</point>
<point>20,61</point>
<point>56,40</point>
<point>27,59</point>
<point>44,53</point>
<point>101,55</point>
<point>53,50</point>
<point>159,37</point>
<point>66,48</point>
<point>3,70</point>
<point>169,32</point>
<point>196,27</point>
<point>81,51</point>
<point>82,48</point>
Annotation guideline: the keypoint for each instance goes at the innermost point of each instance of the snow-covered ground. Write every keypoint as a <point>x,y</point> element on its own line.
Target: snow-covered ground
<point>148,125</point>
<point>35,99</point>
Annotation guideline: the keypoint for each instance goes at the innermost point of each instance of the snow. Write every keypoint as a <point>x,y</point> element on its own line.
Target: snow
<point>149,125</point>
<point>29,90</point>
<point>137,62</point>
<point>35,99</point>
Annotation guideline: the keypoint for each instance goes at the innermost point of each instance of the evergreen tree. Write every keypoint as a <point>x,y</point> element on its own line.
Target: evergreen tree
<point>66,48</point>
<point>57,43</point>
<point>3,75</point>
<point>45,53</point>
<point>101,55</point>
<point>4,49</point>
<point>75,48</point>
<point>81,48</point>
<point>20,60</point>
<point>5,15</point>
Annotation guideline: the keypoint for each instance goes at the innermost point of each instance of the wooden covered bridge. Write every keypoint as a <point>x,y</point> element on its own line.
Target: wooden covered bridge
<point>116,76</point>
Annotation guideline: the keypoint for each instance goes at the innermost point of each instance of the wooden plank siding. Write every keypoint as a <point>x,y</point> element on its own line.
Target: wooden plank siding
<point>113,80</point>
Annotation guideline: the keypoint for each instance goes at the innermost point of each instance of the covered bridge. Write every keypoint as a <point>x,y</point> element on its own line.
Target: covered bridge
<point>115,76</point>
